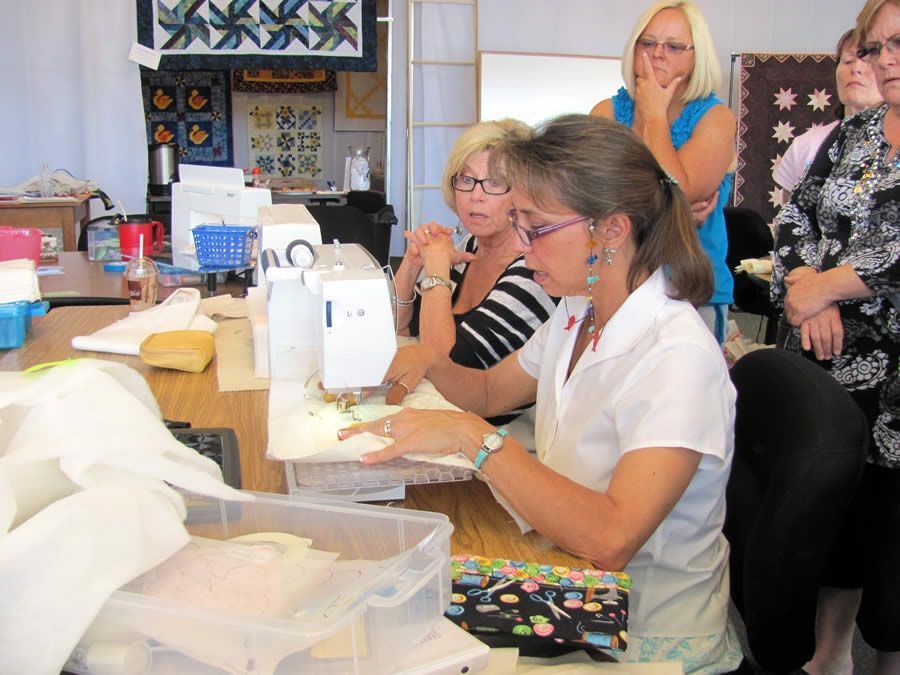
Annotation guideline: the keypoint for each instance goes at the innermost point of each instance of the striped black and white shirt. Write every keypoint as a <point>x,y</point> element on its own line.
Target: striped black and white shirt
<point>501,323</point>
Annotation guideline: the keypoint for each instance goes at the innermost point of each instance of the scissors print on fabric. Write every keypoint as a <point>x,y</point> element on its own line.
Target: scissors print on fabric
<point>548,599</point>
<point>484,594</point>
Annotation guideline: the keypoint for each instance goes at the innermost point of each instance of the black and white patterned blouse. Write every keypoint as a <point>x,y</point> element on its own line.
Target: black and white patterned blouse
<point>846,211</point>
<point>501,323</point>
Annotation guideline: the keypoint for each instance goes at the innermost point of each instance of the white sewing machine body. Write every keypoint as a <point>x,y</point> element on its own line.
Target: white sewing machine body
<point>334,316</point>
<point>210,195</point>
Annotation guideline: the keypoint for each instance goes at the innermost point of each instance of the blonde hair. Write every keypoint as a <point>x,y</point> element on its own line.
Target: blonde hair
<point>597,167</point>
<point>866,17</point>
<point>705,75</point>
<point>479,137</point>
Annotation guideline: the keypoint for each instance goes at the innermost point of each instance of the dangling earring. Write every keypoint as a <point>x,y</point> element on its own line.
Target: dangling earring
<point>459,228</point>
<point>609,253</point>
<point>591,280</point>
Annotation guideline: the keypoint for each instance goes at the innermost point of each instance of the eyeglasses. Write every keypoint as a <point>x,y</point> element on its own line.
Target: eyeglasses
<point>464,183</point>
<point>872,51</point>
<point>529,235</point>
<point>670,48</point>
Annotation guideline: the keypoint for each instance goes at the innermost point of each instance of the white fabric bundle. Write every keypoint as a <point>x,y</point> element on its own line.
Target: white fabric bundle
<point>84,504</point>
<point>180,311</point>
<point>18,281</point>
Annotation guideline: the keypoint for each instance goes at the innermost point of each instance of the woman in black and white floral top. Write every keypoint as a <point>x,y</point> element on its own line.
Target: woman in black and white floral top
<point>837,273</point>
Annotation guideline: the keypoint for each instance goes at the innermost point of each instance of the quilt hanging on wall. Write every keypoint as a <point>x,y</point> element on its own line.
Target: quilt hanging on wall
<point>283,81</point>
<point>192,109</point>
<point>781,97</point>
<point>253,34</point>
<point>286,138</point>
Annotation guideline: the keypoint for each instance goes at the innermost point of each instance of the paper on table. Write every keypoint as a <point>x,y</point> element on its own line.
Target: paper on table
<point>755,266</point>
<point>180,311</point>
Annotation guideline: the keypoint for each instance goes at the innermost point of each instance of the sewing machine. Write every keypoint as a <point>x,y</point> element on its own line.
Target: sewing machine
<point>329,309</point>
<point>214,195</point>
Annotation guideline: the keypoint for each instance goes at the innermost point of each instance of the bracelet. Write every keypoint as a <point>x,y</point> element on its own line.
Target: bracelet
<point>406,303</point>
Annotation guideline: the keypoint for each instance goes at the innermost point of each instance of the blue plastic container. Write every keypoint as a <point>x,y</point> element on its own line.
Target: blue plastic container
<point>15,321</point>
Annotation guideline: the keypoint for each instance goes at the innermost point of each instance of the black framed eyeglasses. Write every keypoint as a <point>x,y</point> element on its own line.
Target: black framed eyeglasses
<point>670,48</point>
<point>871,51</point>
<point>528,235</point>
<point>463,183</point>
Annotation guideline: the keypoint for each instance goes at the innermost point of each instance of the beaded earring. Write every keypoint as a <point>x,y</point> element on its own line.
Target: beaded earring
<point>591,280</point>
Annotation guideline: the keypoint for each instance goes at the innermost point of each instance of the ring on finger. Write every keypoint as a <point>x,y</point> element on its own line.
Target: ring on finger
<point>387,427</point>
<point>401,384</point>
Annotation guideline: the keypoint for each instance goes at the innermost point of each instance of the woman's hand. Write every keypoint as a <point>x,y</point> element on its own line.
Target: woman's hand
<point>700,210</point>
<point>406,371</point>
<point>651,99</point>
<point>806,295</point>
<point>823,333</point>
<point>435,432</point>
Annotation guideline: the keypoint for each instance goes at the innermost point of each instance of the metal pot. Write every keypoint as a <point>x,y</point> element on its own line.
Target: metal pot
<point>163,167</point>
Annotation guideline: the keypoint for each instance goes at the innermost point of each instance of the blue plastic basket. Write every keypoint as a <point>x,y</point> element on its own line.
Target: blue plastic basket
<point>225,246</point>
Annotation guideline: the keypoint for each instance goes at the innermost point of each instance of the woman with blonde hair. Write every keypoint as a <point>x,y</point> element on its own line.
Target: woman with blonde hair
<point>634,408</point>
<point>671,72</point>
<point>474,302</point>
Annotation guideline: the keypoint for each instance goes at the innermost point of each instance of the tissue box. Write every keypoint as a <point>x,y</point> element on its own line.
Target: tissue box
<point>361,614</point>
<point>15,321</point>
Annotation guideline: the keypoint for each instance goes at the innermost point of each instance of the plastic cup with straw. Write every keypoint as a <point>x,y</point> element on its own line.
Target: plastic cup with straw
<point>142,277</point>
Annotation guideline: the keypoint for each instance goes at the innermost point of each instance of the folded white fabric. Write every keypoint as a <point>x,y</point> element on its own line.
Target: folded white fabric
<point>18,281</point>
<point>302,427</point>
<point>180,311</point>
<point>85,502</point>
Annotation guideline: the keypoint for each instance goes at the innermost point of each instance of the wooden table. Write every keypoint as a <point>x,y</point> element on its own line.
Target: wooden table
<point>84,278</point>
<point>482,526</point>
<point>66,215</point>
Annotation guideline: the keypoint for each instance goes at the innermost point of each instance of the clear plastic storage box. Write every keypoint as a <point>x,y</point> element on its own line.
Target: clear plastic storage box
<point>243,598</point>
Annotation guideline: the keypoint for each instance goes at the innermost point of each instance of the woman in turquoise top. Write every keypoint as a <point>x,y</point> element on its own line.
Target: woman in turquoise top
<point>671,71</point>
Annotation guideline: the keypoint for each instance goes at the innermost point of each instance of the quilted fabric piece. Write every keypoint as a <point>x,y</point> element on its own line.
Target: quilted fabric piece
<point>781,96</point>
<point>322,33</point>
<point>286,139</point>
<point>192,109</point>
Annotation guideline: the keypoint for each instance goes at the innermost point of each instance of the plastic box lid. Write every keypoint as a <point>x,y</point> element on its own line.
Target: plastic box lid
<point>358,613</point>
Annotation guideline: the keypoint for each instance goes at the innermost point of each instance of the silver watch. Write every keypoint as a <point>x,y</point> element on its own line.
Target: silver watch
<point>433,280</point>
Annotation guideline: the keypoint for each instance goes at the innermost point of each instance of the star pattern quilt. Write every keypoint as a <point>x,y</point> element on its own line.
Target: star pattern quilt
<point>781,96</point>
<point>286,138</point>
<point>192,34</point>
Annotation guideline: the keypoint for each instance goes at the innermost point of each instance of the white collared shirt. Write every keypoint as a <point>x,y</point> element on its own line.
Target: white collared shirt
<point>657,379</point>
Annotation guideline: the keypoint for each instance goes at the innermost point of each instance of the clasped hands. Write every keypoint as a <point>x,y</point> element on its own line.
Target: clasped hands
<point>433,239</point>
<point>807,306</point>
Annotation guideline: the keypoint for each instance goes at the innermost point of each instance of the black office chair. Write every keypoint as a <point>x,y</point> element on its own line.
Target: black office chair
<point>800,447</point>
<point>750,237</point>
<point>349,224</point>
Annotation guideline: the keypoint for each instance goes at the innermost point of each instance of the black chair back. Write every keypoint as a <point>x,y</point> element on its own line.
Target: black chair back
<point>800,448</point>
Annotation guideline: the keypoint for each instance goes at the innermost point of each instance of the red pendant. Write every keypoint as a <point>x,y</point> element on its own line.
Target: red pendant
<point>571,322</point>
<point>596,340</point>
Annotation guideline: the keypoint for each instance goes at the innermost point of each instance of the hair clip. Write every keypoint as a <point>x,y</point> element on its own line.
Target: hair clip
<point>667,179</point>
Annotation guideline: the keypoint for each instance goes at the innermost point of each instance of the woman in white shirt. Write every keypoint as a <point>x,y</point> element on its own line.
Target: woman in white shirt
<point>634,406</point>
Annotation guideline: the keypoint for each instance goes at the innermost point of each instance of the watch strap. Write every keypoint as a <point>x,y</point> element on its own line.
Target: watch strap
<point>485,451</point>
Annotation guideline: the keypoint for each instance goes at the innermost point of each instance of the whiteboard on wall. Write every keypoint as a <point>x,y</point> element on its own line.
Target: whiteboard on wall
<point>536,87</point>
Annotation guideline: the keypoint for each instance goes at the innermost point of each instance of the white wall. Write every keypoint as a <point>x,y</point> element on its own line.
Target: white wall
<point>39,119</point>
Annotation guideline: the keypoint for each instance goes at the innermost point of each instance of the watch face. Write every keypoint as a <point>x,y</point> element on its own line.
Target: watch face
<point>493,441</point>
